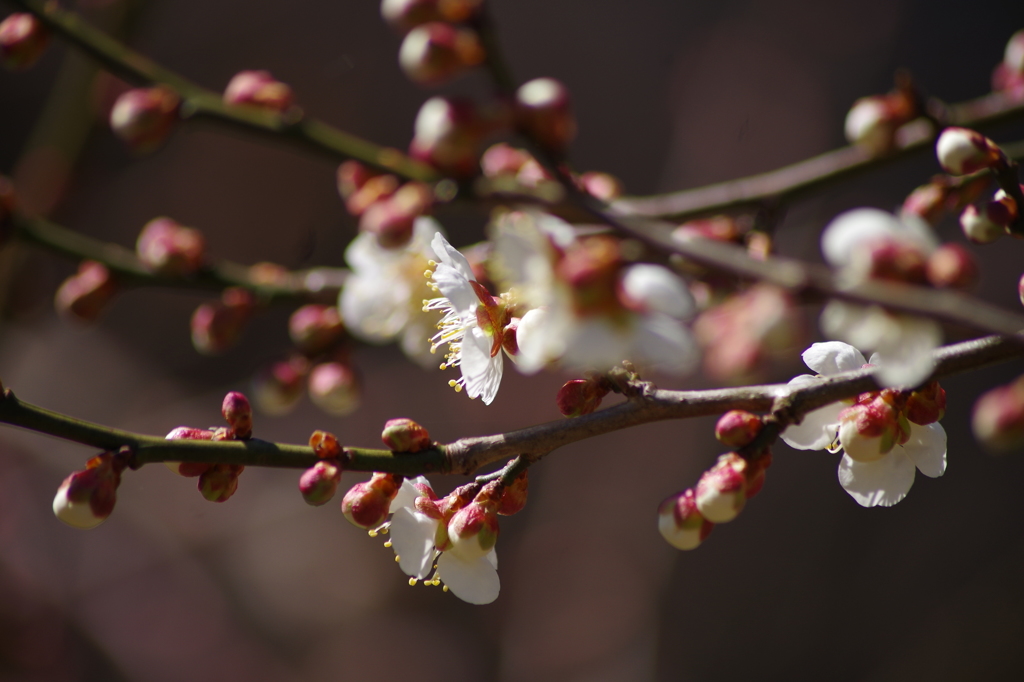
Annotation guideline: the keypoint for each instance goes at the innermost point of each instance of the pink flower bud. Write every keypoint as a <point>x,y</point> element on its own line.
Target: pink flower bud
<point>392,219</point>
<point>962,151</point>
<point>351,176</point>
<point>220,481</point>
<point>870,429</point>
<point>23,39</point>
<point>86,498</point>
<point>447,135</point>
<point>927,404</point>
<point>513,499</point>
<point>170,249</point>
<point>502,160</point>
<point>277,388</point>
<point>189,469</point>
<point>473,530</point>
<point>436,52</point>
<point>238,414</point>
<point>988,223</point>
<point>928,202</point>
<point>737,428</point>
<point>580,396</point>
<point>680,522</point>
<point>334,388</point>
<point>218,326</point>
<point>259,89</point>
<point>314,328</point>
<point>85,294</point>
<point>144,118</point>
<point>722,490</point>
<point>319,483</point>
<point>872,122</point>
<point>366,505</point>
<point>952,266</point>
<point>998,418</point>
<point>405,435</point>
<point>602,186</point>
<point>325,445</point>
<point>890,259</point>
<point>544,112</point>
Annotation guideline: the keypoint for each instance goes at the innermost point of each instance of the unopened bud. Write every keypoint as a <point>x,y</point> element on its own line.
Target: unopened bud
<point>962,151</point>
<point>447,135</point>
<point>168,248</point>
<point>23,39</point>
<point>602,186</point>
<point>218,326</point>
<point>238,414</point>
<point>998,418</point>
<point>580,396</point>
<point>86,498</point>
<point>314,328</point>
<point>220,481</point>
<point>189,469</point>
<point>756,473</point>
<point>869,430</point>
<point>144,118</point>
<point>928,202</point>
<point>405,15</point>
<point>722,491</point>
<point>927,404</point>
<point>1013,56</point>
<point>871,124</point>
<point>334,388</point>
<point>502,160</point>
<point>319,483</point>
<point>473,530</point>
<point>325,445</point>
<point>259,89</point>
<point>366,505</point>
<point>391,220</point>
<point>436,52</point>
<point>373,190</point>
<point>85,294</point>
<point>681,523</point>
<point>405,435</point>
<point>351,176</point>
<point>738,428</point>
<point>513,499</point>
<point>277,388</point>
<point>952,266</point>
<point>989,222</point>
<point>544,112</point>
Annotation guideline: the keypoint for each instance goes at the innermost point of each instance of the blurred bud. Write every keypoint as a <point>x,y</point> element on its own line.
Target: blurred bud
<point>259,89</point>
<point>998,418</point>
<point>325,445</point>
<point>447,135</point>
<point>591,267</point>
<point>277,388</point>
<point>405,15</point>
<point>334,388</point>
<point>680,522</point>
<point>962,151</point>
<point>501,160</point>
<point>405,435</point>
<point>544,112</point>
<point>1013,56</point>
<point>756,473</point>
<point>435,53</point>
<point>890,259</point>
<point>86,498</point>
<point>168,248</point>
<point>872,122</point>
<point>952,266</point>
<point>85,294</point>
<point>1008,76</point>
<point>23,39</point>
<point>238,414</point>
<point>392,219</point>
<point>218,326</point>
<point>580,396</point>
<point>144,118</point>
<point>372,191</point>
<point>602,186</point>
<point>722,491</point>
<point>927,404</point>
<point>351,176</point>
<point>458,10</point>
<point>1020,289</point>
<point>315,328</point>
<point>928,202</point>
<point>189,469</point>
<point>737,428</point>
<point>366,505</point>
<point>220,481</point>
<point>988,223</point>
<point>513,499</point>
<point>473,530</point>
<point>319,483</point>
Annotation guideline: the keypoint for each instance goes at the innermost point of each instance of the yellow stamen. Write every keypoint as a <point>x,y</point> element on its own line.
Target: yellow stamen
<point>412,582</point>
<point>387,544</point>
<point>372,533</point>
<point>445,588</point>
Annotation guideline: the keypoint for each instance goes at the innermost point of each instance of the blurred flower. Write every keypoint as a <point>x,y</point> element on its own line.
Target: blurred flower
<point>258,89</point>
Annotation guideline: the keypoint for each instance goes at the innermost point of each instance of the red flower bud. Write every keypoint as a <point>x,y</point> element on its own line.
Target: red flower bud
<point>580,396</point>
<point>405,435</point>
<point>218,326</point>
<point>325,445</point>
<point>86,498</point>
<point>366,505</point>
<point>334,388</point>
<point>85,294</point>
<point>238,414</point>
<point>738,428</point>
<point>259,89</point>
<point>170,249</point>
<point>603,186</point>
<point>23,39</point>
<point>544,112</point>
<point>220,481</point>
<point>144,118</point>
<point>319,483</point>
<point>513,499</point>
<point>189,469</point>
<point>473,530</point>
<point>927,404</point>
<point>722,491</point>
<point>392,219</point>
<point>315,328</point>
<point>502,160</point>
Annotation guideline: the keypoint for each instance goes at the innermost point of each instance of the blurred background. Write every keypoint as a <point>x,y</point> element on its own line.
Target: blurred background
<point>804,585</point>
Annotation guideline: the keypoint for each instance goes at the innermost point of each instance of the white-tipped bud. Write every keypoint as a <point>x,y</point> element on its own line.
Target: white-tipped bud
<point>722,490</point>
<point>680,522</point>
<point>962,151</point>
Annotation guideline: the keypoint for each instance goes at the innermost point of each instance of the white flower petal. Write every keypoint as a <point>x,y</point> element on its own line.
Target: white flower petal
<point>412,538</point>
<point>906,357</point>
<point>407,494</point>
<point>596,343</point>
<point>818,428</point>
<point>374,312</point>
<point>538,346</point>
<point>454,286</point>
<point>927,449</point>
<point>450,256</point>
<point>476,582</point>
<point>481,372</point>
<point>492,559</point>
<point>657,289</point>
<point>880,483</point>
<point>832,357</point>
<point>665,344</point>
<point>849,230</point>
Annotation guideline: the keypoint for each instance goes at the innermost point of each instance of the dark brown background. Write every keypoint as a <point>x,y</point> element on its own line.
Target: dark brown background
<point>670,94</point>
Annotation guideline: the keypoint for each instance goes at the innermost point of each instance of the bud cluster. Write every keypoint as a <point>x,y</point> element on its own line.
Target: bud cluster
<point>438,46</point>
<point>319,483</point>
<point>872,122</point>
<point>385,208</point>
<point>509,169</point>
<point>878,421</point>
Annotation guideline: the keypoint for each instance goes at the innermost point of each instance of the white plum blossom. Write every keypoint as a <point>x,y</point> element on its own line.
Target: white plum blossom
<point>382,297</point>
<point>413,535</point>
<point>873,478</point>
<point>473,323</point>
<point>865,243</point>
<point>587,309</point>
